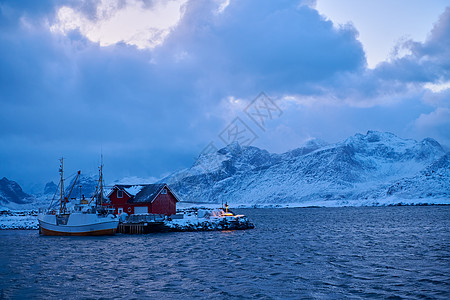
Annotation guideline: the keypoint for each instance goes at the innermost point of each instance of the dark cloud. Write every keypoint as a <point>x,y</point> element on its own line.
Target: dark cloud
<point>254,46</point>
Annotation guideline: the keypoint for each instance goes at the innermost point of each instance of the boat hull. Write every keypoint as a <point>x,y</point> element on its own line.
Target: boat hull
<point>78,226</point>
<point>45,231</point>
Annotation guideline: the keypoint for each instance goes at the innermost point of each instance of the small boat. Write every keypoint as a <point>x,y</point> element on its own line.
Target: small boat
<point>83,218</point>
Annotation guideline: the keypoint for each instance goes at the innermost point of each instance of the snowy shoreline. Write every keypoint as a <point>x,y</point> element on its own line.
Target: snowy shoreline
<point>326,203</point>
<point>19,220</point>
<point>27,219</point>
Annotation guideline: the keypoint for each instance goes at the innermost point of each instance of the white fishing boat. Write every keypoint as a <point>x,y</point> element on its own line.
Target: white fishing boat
<point>84,218</point>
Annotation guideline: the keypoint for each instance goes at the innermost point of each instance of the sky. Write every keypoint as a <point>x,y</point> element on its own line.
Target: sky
<point>151,84</point>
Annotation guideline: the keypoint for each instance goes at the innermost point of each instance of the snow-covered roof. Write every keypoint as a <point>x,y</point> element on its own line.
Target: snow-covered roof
<point>134,190</point>
<point>131,190</point>
<point>142,192</point>
<point>150,192</point>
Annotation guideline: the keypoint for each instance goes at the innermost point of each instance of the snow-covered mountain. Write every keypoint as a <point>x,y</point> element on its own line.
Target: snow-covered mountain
<point>12,195</point>
<point>366,169</point>
<point>50,194</point>
<point>371,169</point>
<point>86,185</point>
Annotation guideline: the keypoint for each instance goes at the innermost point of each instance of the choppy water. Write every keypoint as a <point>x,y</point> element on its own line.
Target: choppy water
<point>396,252</point>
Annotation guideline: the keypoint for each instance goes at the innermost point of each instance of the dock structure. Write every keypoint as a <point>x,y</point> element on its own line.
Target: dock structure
<point>140,224</point>
<point>200,221</point>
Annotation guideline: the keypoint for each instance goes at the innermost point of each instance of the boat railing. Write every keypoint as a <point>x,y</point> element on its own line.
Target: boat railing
<point>50,211</point>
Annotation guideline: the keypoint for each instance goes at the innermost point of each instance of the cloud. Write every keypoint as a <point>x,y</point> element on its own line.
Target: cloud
<point>438,117</point>
<point>131,22</point>
<point>252,47</point>
<point>437,87</point>
<point>426,66</point>
<point>70,86</point>
<point>428,61</point>
<point>436,122</point>
<point>223,4</point>
<point>384,23</point>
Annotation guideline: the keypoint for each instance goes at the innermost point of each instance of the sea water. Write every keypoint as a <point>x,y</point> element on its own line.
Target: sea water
<point>301,253</point>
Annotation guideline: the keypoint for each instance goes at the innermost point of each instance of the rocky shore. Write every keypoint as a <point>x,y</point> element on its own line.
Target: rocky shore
<point>210,224</point>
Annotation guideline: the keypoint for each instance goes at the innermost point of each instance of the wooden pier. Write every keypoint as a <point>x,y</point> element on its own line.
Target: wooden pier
<point>141,228</point>
<point>141,224</point>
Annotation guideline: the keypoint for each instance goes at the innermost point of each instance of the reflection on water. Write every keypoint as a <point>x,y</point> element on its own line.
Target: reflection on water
<point>292,253</point>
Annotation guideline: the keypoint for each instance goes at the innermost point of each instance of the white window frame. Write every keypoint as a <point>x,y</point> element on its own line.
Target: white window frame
<point>164,191</point>
<point>121,194</point>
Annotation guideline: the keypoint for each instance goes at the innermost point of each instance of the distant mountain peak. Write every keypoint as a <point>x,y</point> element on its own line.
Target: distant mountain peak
<point>315,142</point>
<point>373,136</point>
<point>11,192</point>
<point>432,142</point>
<point>233,148</point>
<point>50,188</point>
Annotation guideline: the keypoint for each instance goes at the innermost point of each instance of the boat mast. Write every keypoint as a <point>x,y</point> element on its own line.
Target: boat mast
<point>64,200</point>
<point>101,182</point>
<point>61,171</point>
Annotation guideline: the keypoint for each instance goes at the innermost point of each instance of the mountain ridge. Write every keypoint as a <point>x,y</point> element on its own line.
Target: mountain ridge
<point>361,169</point>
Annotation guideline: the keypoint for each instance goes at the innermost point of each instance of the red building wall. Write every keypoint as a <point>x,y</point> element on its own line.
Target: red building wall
<point>163,203</point>
<point>117,202</point>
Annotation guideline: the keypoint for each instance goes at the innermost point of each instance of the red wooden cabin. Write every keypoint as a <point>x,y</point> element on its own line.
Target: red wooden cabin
<point>143,199</point>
